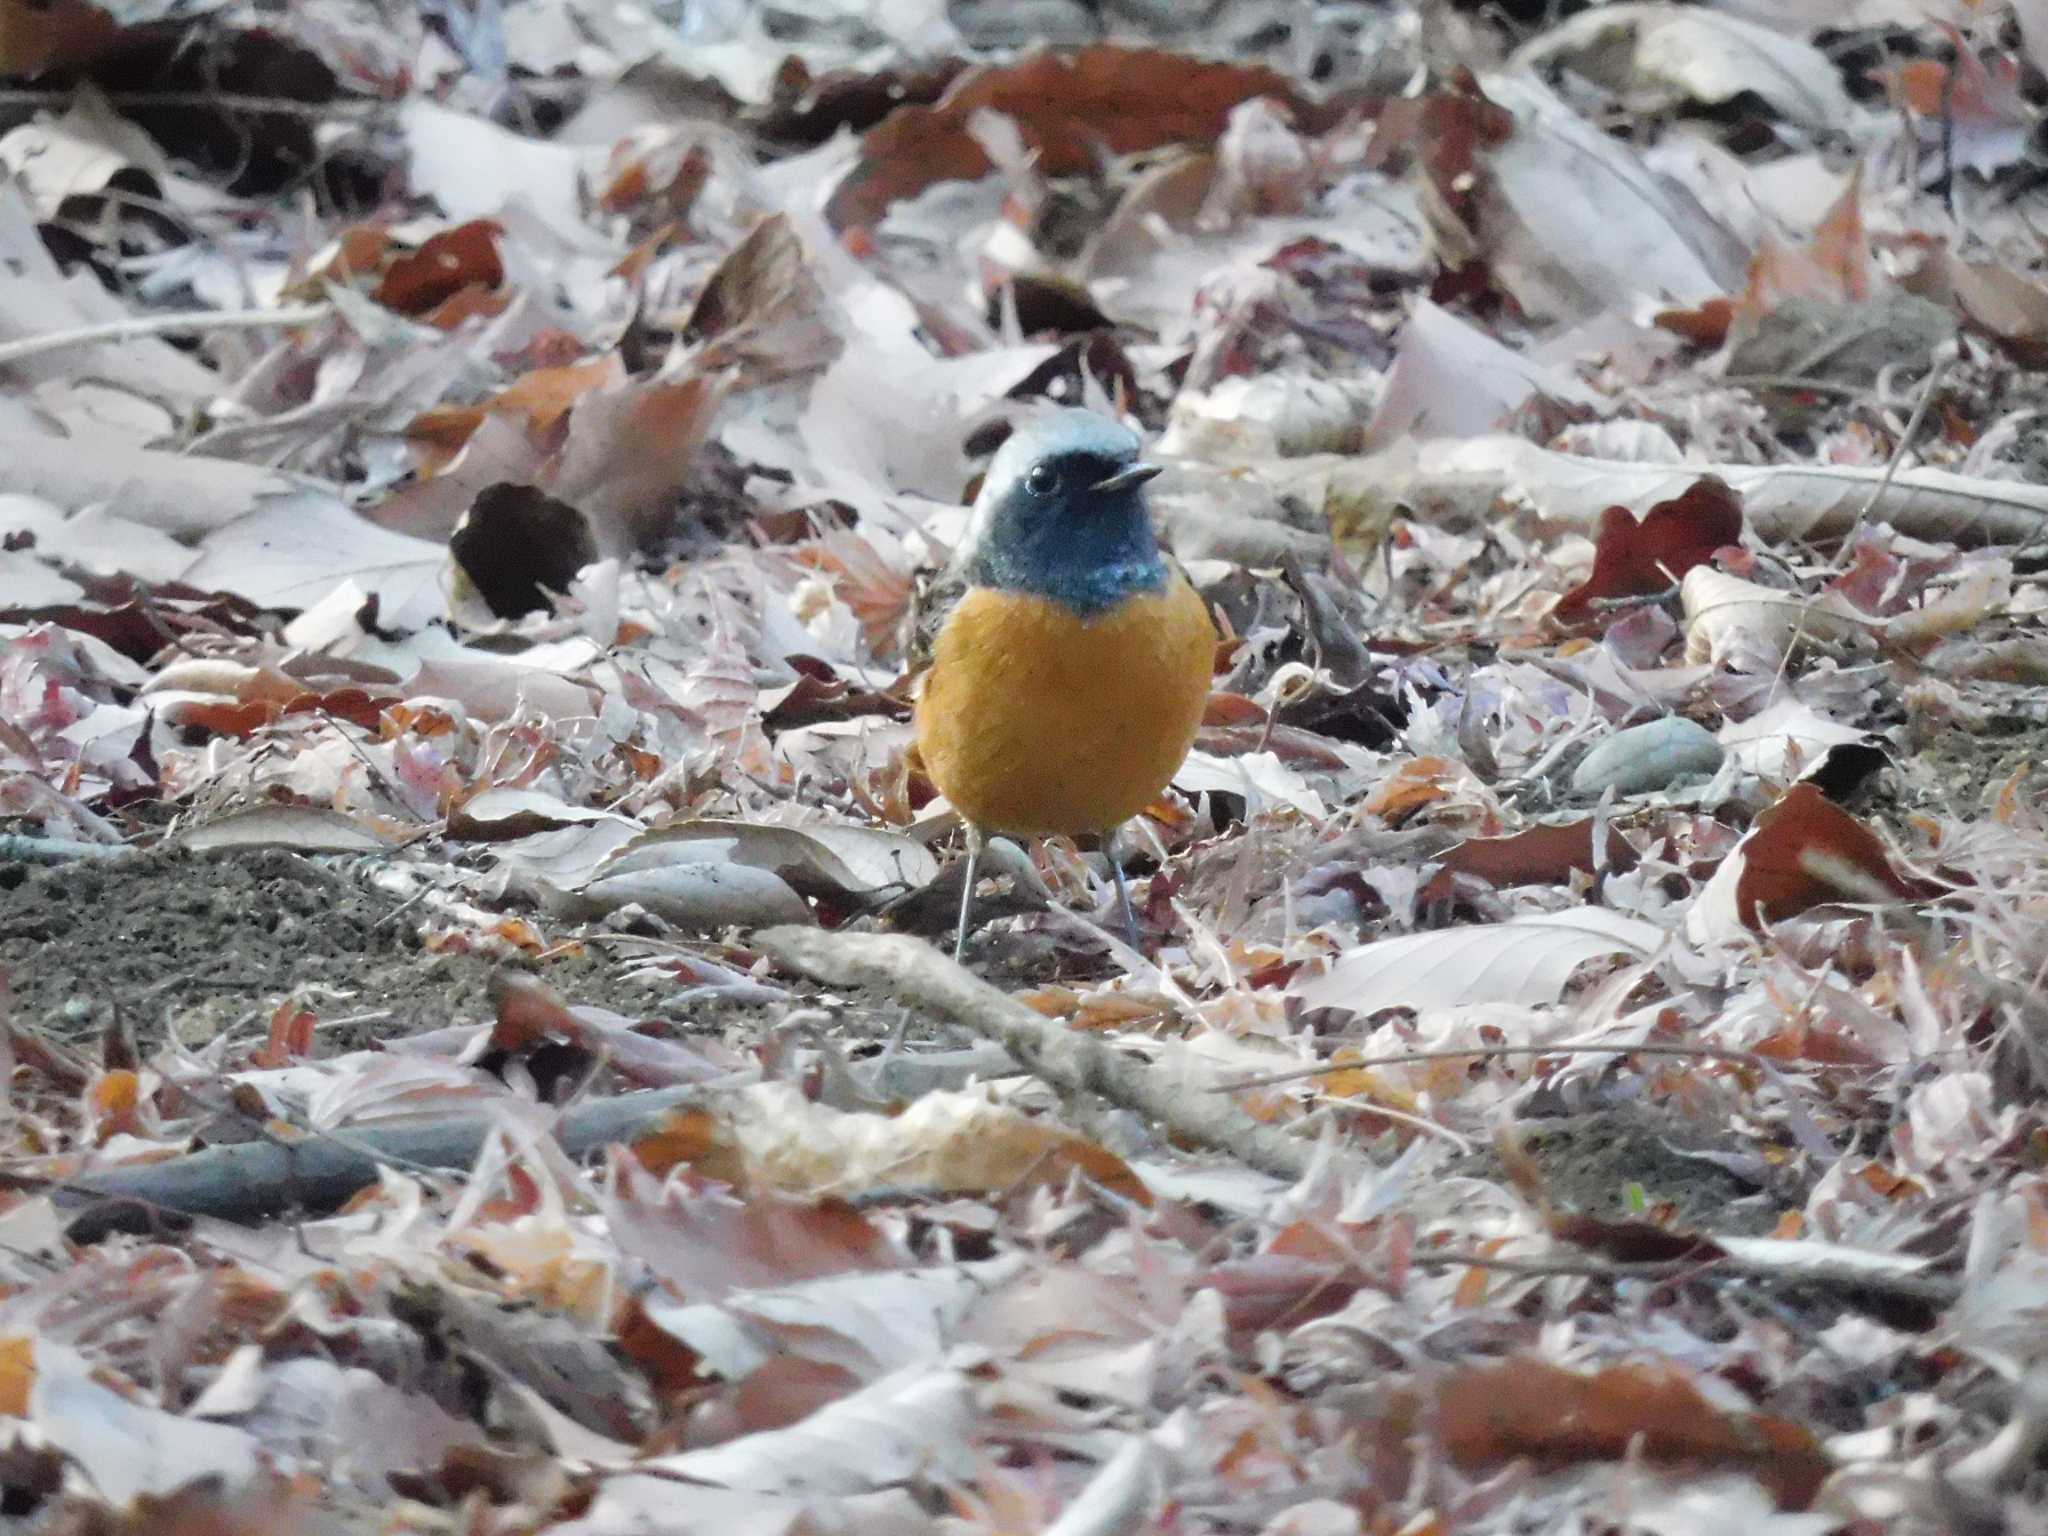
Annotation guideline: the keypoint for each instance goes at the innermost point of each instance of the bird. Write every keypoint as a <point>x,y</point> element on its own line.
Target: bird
<point>1062,661</point>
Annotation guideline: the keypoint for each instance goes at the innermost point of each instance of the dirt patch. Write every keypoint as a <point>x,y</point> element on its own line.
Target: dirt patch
<point>1626,1159</point>
<point>207,940</point>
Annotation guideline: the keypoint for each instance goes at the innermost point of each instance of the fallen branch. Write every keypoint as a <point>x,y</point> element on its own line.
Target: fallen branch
<point>1782,503</point>
<point>1071,1061</point>
<point>253,1180</point>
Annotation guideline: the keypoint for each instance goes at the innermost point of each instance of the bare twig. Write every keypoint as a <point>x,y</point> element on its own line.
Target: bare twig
<point>1458,1052</point>
<point>1907,438</point>
<point>1071,1061</point>
<point>161,325</point>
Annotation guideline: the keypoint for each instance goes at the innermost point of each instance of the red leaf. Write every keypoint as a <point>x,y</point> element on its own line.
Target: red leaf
<point>1803,851</point>
<point>529,1012</point>
<point>1068,107</point>
<point>1545,855</point>
<point>1634,558</point>
<point>442,267</point>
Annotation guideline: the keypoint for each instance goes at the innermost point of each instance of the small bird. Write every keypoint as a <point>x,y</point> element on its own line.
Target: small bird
<point>1067,661</point>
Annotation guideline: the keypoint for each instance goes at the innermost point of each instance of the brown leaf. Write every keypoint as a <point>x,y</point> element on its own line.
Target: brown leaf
<point>36,35</point>
<point>1834,265</point>
<point>1446,133</point>
<point>700,1240</point>
<point>786,1389</point>
<point>1631,1242</point>
<point>442,267</point>
<point>1067,107</point>
<point>763,308</point>
<point>1530,1408</point>
<point>1706,326</point>
<point>1635,559</point>
<point>1805,850</point>
<point>1545,855</point>
<point>628,450</point>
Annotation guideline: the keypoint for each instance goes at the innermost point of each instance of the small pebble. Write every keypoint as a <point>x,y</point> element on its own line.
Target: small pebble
<point>1646,757</point>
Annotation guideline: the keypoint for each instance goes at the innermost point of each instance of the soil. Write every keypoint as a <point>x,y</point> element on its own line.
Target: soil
<point>204,941</point>
<point>1601,1164</point>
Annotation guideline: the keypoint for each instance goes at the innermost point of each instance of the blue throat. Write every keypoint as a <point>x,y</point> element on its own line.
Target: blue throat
<point>1085,551</point>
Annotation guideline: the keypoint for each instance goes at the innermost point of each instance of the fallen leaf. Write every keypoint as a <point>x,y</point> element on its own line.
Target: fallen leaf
<point>1805,850</point>
<point>444,265</point>
<point>1634,558</point>
<point>1542,855</point>
<point>1064,106</point>
<point>1529,1407</point>
<point>1657,56</point>
<point>1526,960</point>
<point>302,828</point>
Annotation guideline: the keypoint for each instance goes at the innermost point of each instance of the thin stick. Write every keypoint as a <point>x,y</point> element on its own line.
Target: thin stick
<point>1939,1289</point>
<point>1072,1063</point>
<point>1905,443</point>
<point>1455,1053</point>
<point>161,325</point>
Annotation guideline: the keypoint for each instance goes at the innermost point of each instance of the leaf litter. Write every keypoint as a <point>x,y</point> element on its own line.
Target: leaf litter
<point>474,1057</point>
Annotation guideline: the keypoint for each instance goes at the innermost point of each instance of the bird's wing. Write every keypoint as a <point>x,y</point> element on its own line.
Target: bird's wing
<point>934,595</point>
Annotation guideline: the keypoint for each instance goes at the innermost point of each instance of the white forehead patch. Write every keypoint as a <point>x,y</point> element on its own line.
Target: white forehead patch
<point>1067,430</point>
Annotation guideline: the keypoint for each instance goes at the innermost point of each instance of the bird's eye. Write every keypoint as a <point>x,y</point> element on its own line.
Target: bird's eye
<point>1043,480</point>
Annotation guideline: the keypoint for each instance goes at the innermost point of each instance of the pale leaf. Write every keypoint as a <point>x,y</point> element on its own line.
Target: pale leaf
<point>1526,960</point>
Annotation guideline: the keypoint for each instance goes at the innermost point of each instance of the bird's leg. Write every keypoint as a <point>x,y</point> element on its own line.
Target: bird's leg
<point>967,892</point>
<point>1123,890</point>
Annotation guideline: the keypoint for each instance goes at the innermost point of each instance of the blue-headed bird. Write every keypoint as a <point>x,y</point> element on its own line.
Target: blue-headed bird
<point>1067,660</point>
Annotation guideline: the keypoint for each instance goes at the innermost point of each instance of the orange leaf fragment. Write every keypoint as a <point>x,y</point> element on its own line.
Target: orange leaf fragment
<point>17,1375</point>
<point>669,1364</point>
<point>1419,782</point>
<point>291,1036</point>
<point>360,250</point>
<point>113,1103</point>
<point>686,1137</point>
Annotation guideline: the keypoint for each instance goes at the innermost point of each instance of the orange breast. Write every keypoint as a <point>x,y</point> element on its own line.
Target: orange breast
<point>1034,720</point>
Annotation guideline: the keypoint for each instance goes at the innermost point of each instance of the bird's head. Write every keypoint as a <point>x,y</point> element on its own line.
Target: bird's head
<point>1062,515</point>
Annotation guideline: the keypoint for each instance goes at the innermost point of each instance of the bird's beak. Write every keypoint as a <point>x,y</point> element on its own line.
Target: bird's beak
<point>1127,477</point>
